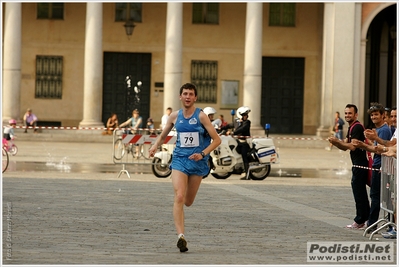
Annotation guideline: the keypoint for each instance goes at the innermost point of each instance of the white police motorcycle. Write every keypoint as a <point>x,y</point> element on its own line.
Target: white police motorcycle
<point>226,159</point>
<point>163,159</point>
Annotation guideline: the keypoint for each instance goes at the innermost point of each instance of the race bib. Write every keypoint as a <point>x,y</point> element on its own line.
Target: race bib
<point>189,139</point>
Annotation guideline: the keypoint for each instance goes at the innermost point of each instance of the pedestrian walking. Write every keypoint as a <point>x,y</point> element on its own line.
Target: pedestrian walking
<point>190,156</point>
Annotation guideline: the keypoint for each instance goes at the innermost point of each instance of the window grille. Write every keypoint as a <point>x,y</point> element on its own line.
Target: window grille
<point>50,10</point>
<point>49,77</point>
<point>128,11</point>
<point>282,14</point>
<point>204,75</point>
<point>205,13</point>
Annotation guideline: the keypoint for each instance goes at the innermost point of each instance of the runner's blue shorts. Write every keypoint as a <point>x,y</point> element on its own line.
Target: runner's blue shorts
<point>190,167</point>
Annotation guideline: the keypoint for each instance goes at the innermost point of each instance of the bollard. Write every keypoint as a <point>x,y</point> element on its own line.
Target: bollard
<point>232,112</point>
<point>267,128</point>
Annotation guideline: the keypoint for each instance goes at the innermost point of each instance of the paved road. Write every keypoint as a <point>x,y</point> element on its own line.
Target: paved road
<point>61,217</point>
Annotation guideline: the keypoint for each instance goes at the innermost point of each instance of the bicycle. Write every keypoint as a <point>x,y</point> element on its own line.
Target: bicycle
<point>10,147</point>
<point>120,149</point>
<point>5,159</point>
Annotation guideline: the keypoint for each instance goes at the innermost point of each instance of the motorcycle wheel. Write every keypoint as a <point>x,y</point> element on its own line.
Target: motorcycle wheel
<point>160,170</point>
<point>224,175</point>
<point>260,174</point>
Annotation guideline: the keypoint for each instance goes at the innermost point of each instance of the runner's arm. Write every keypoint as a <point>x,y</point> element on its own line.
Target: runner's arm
<point>161,138</point>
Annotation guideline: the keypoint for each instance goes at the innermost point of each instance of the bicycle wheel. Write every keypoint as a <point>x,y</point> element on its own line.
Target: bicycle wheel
<point>13,150</point>
<point>5,159</point>
<point>144,150</point>
<point>119,149</point>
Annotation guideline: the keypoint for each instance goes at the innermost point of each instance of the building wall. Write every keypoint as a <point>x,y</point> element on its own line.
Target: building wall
<point>223,43</point>
<point>61,38</point>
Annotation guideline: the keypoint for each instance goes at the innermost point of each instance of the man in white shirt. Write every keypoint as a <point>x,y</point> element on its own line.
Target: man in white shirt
<point>165,117</point>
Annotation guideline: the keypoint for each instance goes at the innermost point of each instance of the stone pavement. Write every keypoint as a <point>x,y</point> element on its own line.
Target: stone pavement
<point>64,217</point>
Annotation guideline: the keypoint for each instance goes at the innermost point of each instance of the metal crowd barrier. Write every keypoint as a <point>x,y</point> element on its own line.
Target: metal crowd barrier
<point>388,196</point>
<point>130,147</point>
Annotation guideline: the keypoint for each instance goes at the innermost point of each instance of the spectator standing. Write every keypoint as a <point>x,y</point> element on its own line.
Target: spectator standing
<point>393,120</point>
<point>359,158</point>
<point>135,122</point>
<point>337,128</point>
<point>339,123</point>
<point>165,117</point>
<point>387,148</point>
<point>377,113</point>
<point>30,120</point>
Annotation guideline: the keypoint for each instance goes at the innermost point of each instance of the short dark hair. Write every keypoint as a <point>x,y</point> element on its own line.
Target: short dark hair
<point>352,106</point>
<point>189,86</point>
<point>374,106</point>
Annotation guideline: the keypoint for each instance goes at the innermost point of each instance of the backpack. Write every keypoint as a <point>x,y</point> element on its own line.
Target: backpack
<point>368,154</point>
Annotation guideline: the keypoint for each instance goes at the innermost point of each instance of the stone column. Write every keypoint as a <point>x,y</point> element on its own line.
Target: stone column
<point>12,62</point>
<point>252,87</point>
<point>362,77</point>
<point>93,67</point>
<point>173,55</point>
<point>339,62</point>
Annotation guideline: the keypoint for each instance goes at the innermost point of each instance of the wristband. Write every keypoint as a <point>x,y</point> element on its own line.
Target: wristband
<point>203,154</point>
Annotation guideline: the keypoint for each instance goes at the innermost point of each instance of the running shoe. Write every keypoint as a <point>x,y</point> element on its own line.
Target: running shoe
<point>182,244</point>
<point>355,225</point>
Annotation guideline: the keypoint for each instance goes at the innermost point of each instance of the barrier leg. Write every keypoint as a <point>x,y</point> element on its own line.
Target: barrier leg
<point>123,171</point>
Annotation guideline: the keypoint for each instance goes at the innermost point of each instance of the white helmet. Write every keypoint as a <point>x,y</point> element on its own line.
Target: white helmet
<point>209,110</point>
<point>243,110</point>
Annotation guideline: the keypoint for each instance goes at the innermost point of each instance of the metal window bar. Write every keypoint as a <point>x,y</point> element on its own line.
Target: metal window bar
<point>388,196</point>
<point>49,77</point>
<point>204,76</point>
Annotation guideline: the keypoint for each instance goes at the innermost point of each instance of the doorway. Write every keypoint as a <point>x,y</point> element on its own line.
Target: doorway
<point>118,97</point>
<point>282,94</point>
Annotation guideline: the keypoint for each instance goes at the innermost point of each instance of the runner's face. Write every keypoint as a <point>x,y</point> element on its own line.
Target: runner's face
<point>350,115</point>
<point>188,97</point>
